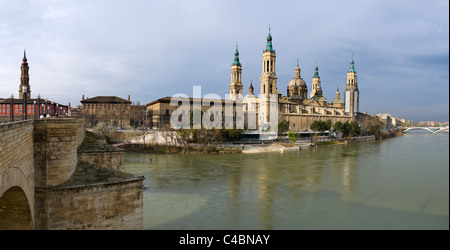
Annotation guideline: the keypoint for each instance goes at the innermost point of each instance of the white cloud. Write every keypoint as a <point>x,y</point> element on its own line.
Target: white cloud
<point>151,49</point>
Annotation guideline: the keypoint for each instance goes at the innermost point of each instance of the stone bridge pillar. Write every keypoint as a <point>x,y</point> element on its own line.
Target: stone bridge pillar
<point>55,150</point>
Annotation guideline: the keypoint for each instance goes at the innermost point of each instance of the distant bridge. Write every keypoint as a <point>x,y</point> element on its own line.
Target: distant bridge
<point>430,129</point>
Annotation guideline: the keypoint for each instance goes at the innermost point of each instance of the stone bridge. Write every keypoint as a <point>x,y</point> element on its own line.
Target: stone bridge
<point>43,185</point>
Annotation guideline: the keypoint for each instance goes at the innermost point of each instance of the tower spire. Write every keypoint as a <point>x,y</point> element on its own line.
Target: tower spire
<point>316,71</point>
<point>269,47</point>
<point>236,74</point>
<point>351,94</point>
<point>236,56</point>
<point>24,60</point>
<point>352,66</point>
<point>316,85</point>
<point>24,87</point>
<point>297,70</point>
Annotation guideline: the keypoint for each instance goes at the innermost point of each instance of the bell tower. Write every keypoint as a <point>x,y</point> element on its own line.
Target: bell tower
<point>315,82</point>
<point>24,78</point>
<point>351,94</point>
<point>236,73</point>
<point>268,79</point>
<point>268,76</point>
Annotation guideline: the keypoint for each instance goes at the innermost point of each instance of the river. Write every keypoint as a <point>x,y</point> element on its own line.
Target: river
<point>397,183</point>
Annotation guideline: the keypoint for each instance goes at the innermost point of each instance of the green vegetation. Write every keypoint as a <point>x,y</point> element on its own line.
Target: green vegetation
<point>231,134</point>
<point>375,130</point>
<point>94,142</point>
<point>321,126</point>
<point>347,129</point>
<point>293,136</point>
<point>283,127</point>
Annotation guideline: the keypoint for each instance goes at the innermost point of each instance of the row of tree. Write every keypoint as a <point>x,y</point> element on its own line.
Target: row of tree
<point>343,130</point>
<point>205,140</point>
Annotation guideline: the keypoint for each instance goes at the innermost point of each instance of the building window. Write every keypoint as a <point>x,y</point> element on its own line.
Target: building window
<point>167,112</point>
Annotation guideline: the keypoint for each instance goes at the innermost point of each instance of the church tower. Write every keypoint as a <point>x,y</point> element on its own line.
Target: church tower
<point>268,76</point>
<point>337,101</point>
<point>315,83</point>
<point>297,89</point>
<point>236,72</point>
<point>250,89</point>
<point>24,78</point>
<point>351,94</point>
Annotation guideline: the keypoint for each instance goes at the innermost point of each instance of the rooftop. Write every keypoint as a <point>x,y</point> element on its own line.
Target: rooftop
<point>105,99</point>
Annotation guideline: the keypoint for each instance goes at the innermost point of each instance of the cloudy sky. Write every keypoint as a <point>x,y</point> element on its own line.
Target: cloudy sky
<point>152,49</point>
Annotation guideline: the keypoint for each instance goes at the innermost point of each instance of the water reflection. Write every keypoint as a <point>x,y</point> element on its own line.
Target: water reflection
<point>346,186</point>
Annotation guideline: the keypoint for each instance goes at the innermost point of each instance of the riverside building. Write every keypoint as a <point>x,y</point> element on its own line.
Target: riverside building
<point>294,107</point>
<point>26,107</point>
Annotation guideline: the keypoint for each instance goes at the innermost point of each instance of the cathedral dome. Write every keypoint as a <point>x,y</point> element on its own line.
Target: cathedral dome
<point>338,101</point>
<point>250,96</point>
<point>297,82</point>
<point>319,98</point>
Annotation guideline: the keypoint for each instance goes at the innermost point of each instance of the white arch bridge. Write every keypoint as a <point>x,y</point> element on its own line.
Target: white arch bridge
<point>430,129</point>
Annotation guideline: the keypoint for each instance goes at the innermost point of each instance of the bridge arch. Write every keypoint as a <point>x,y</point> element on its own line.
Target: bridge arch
<point>15,210</point>
<point>16,200</point>
<point>417,128</point>
<point>429,129</point>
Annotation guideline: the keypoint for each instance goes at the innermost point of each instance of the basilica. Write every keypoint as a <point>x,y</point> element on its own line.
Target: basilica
<point>297,107</point>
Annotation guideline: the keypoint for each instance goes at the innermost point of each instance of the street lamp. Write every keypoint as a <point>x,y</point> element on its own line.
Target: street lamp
<point>11,113</point>
<point>39,106</point>
<point>35,113</point>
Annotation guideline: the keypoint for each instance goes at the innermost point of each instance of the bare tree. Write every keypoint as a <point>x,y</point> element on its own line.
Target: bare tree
<point>209,138</point>
<point>137,114</point>
<point>185,139</point>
